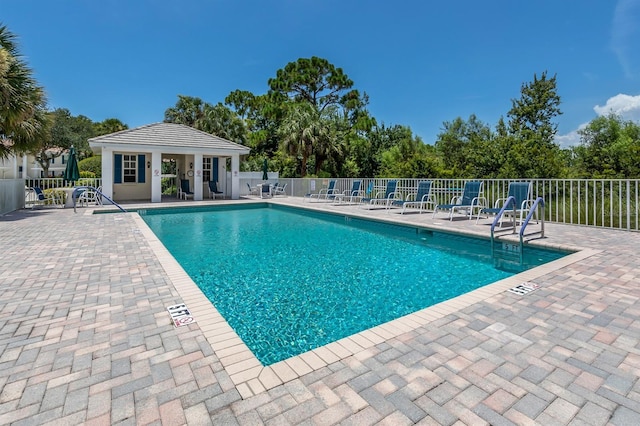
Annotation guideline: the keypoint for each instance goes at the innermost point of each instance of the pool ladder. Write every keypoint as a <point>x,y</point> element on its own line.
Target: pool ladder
<point>539,202</point>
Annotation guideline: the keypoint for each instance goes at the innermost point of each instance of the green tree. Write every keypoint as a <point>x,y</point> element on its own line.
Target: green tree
<point>408,157</point>
<point>315,81</point>
<point>217,120</point>
<point>221,121</point>
<point>188,110</point>
<point>328,91</point>
<point>22,102</point>
<point>108,126</point>
<point>609,148</point>
<point>302,131</point>
<point>534,152</point>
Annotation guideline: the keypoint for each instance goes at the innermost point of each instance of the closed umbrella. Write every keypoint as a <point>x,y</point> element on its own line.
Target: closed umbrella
<point>71,172</point>
<point>265,170</point>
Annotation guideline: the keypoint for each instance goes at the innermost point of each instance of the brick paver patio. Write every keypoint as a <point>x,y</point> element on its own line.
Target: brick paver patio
<point>85,338</point>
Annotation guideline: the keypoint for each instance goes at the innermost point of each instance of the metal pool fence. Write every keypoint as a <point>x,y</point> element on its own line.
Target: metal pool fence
<point>606,203</point>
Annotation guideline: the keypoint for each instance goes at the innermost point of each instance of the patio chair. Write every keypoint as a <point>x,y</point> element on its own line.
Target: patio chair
<point>327,193</point>
<point>471,200</point>
<point>184,191</point>
<point>213,190</point>
<point>42,199</point>
<point>421,199</point>
<point>90,197</point>
<point>353,195</point>
<point>252,190</point>
<point>521,193</point>
<point>279,189</point>
<point>385,198</point>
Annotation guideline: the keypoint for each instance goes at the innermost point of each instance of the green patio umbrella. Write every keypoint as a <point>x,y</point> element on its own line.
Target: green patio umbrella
<point>265,170</point>
<point>71,172</point>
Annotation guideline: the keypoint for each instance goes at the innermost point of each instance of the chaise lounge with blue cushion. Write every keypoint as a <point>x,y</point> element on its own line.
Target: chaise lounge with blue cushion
<point>279,189</point>
<point>350,196</point>
<point>470,201</point>
<point>385,198</point>
<point>327,193</point>
<point>42,199</point>
<point>213,190</point>
<point>421,199</point>
<point>184,191</point>
<point>522,201</point>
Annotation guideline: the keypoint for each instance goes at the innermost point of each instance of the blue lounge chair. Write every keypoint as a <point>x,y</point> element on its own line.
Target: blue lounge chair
<point>327,193</point>
<point>44,199</point>
<point>470,201</point>
<point>184,191</point>
<point>421,199</point>
<point>521,193</point>
<point>385,198</point>
<point>353,195</point>
<point>213,190</point>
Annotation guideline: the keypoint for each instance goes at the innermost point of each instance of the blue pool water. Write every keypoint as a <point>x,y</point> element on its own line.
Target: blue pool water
<point>288,282</point>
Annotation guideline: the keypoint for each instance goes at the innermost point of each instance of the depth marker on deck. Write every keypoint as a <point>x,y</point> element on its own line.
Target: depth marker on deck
<point>180,315</point>
<point>524,288</point>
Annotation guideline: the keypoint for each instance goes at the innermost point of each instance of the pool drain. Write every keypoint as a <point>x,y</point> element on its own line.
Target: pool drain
<point>524,288</point>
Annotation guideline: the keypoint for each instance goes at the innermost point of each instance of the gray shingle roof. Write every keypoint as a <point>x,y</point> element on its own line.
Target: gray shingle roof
<point>169,135</point>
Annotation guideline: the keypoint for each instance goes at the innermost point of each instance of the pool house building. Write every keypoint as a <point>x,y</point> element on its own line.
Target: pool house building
<point>132,161</point>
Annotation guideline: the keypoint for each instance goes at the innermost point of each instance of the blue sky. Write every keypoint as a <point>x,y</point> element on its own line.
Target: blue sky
<point>421,62</point>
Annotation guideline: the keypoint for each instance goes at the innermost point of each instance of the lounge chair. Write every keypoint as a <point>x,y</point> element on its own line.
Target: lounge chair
<point>385,198</point>
<point>521,193</point>
<point>213,190</point>
<point>471,200</point>
<point>184,191</point>
<point>353,195</point>
<point>279,189</point>
<point>421,199</point>
<point>327,193</point>
<point>252,190</point>
<point>42,199</point>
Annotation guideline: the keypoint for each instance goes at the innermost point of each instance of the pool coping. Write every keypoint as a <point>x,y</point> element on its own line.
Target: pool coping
<point>251,378</point>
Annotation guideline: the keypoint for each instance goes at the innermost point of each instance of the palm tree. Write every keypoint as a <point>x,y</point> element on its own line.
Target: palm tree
<point>303,131</point>
<point>22,101</point>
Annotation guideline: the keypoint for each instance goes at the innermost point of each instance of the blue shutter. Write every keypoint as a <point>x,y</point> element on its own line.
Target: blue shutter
<point>214,169</point>
<point>141,169</point>
<point>117,168</point>
<point>62,156</point>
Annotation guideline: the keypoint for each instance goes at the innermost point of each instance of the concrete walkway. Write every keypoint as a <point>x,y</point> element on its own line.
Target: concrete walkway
<point>85,338</point>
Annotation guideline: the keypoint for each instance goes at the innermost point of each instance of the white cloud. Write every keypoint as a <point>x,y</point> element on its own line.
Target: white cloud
<point>626,106</point>
<point>570,139</point>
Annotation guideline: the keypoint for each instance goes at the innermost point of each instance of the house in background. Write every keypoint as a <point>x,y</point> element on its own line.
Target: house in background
<point>26,167</point>
<point>132,161</point>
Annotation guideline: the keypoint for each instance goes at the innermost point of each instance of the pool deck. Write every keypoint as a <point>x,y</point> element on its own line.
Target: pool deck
<point>85,338</point>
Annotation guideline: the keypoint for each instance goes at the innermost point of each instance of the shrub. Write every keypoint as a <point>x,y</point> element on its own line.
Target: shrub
<point>91,164</point>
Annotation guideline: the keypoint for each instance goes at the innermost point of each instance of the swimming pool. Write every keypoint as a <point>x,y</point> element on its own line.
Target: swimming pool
<point>288,282</point>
